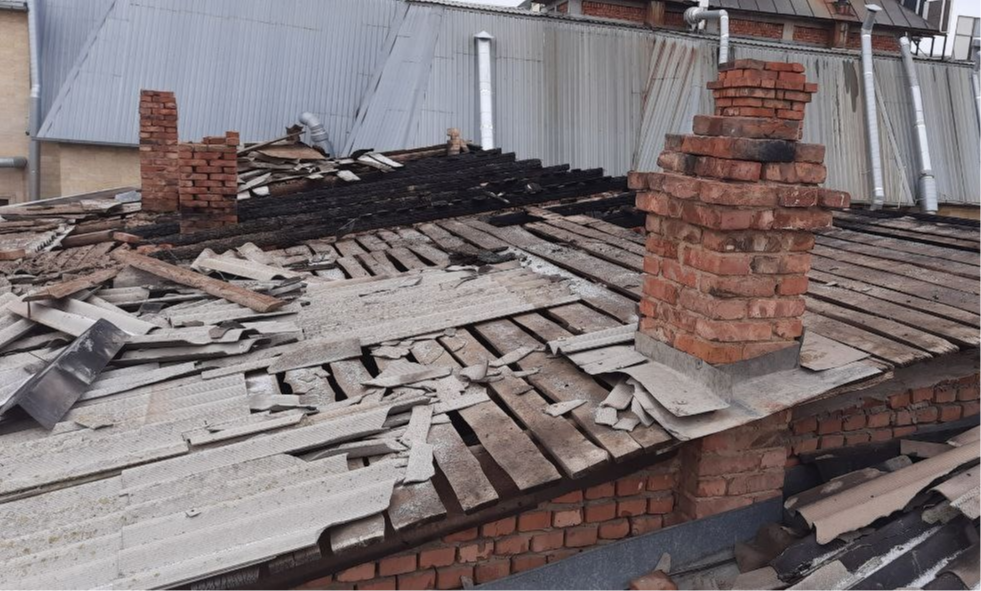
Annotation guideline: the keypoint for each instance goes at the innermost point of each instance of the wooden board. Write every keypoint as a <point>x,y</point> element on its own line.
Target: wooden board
<point>876,345</point>
<point>943,278</point>
<point>378,263</point>
<point>405,258</point>
<point>348,248</point>
<point>507,444</point>
<point>589,232</point>
<point>607,227</point>
<point>884,327</point>
<point>571,450</point>
<point>221,289</point>
<point>462,470</point>
<point>561,381</point>
<point>601,250</point>
<point>484,238</point>
<point>352,267</point>
<point>579,318</point>
<point>921,255</point>
<point>67,288</point>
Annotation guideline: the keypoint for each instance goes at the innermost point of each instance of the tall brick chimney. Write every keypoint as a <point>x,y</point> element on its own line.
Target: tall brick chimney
<point>158,150</point>
<point>730,219</point>
<point>208,183</point>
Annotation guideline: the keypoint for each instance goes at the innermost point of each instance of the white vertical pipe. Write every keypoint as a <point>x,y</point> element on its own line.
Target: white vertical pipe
<point>976,77</point>
<point>486,89</point>
<point>34,117</point>
<point>871,115</point>
<point>696,16</point>
<point>926,184</point>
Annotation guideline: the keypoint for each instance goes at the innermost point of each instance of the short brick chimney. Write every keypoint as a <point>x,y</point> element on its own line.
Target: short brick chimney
<point>209,183</point>
<point>730,219</point>
<point>158,150</point>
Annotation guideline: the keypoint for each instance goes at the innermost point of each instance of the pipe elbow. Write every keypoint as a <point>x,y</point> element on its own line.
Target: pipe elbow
<point>308,119</point>
<point>869,22</point>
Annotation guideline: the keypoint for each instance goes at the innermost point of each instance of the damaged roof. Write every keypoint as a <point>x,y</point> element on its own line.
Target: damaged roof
<point>323,357</point>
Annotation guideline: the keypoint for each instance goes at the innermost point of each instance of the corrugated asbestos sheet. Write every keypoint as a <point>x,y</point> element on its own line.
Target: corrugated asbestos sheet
<point>390,74</point>
<point>248,65</point>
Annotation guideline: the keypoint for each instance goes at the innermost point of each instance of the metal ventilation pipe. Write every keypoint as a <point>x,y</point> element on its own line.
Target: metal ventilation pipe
<point>871,115</point>
<point>34,150</point>
<point>13,162</point>
<point>926,185</point>
<point>318,135</point>
<point>486,89</point>
<point>697,15</point>
<point>976,77</point>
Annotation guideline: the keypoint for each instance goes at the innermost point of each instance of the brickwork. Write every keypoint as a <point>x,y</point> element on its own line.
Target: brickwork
<point>617,11</point>
<point>873,420</point>
<point>755,28</point>
<point>208,183</point>
<point>734,468</point>
<point>812,35</point>
<point>158,150</point>
<point>880,43</point>
<point>730,220</point>
<point>583,519</point>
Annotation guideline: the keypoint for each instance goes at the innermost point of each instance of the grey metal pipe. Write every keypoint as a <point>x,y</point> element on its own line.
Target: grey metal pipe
<point>696,15</point>
<point>976,77</point>
<point>13,162</point>
<point>486,89</point>
<point>318,135</point>
<point>871,114</point>
<point>34,117</point>
<point>926,185</point>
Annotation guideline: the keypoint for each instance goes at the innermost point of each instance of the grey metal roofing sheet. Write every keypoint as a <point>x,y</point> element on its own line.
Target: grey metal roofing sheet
<point>894,14</point>
<point>390,74</point>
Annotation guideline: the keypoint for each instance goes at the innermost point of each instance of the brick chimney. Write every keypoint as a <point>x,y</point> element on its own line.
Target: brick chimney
<point>208,183</point>
<point>158,150</point>
<point>730,219</point>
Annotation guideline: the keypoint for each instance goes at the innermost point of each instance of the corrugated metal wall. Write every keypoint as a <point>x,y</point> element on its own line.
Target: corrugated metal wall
<point>682,65</point>
<point>389,74</point>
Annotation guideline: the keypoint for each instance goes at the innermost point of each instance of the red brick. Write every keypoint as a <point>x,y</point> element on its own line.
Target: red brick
<point>378,584</point>
<point>903,431</point>
<point>601,512</point>
<point>950,413</point>
<point>731,331</point>
<point>922,394</point>
<point>523,563</point>
<point>501,527</point>
<point>614,530</point>
<point>600,491</point>
<point>751,483</point>
<point>711,487</point>
<point>561,554</point>
<point>927,415</point>
<point>362,572</point>
<point>660,505</point>
<point>631,485</point>
<point>437,557</point>
<point>396,565</point>
<point>630,507</point>
<point>547,541</point>
<point>491,570</point>
<point>424,579</point>
<point>475,552</point>
<point>832,441</point>
<point>806,446</point>
<point>968,392</point>
<point>461,536</point>
<point>657,482</point>
<point>971,408</point>
<point>857,438</point>
<point>808,425</point>
<point>879,435</point>
<point>449,577</point>
<point>517,544</point>
<point>580,537</point>
<point>945,394</point>
<point>854,423</point>
<point>901,400</point>
<point>709,351</point>
<point>643,524</point>
<point>567,518</point>
<point>711,506</point>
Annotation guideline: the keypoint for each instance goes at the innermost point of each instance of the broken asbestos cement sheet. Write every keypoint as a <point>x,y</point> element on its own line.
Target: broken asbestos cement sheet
<point>676,393</point>
<point>594,340</point>
<point>560,408</point>
<point>818,353</point>
<point>607,359</point>
<point>400,373</point>
<point>316,352</point>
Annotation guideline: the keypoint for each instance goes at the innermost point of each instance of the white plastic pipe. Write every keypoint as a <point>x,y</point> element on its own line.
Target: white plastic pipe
<point>696,17</point>
<point>486,89</point>
<point>871,115</point>
<point>976,77</point>
<point>34,118</point>
<point>926,184</point>
<point>318,135</point>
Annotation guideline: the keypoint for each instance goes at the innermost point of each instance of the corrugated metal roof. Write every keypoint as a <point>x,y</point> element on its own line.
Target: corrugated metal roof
<point>389,74</point>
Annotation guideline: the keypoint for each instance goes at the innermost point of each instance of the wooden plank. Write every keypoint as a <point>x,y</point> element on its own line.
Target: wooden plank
<point>921,255</point>
<point>484,238</point>
<point>607,227</point>
<point>507,444</point>
<point>897,268</point>
<point>909,285</point>
<point>615,277</point>
<point>601,250</point>
<point>931,228</point>
<point>579,318</point>
<point>371,242</point>
<point>873,344</point>
<point>378,263</point>
<point>589,232</point>
<point>880,293</point>
<point>448,242</point>
<point>570,449</point>
<point>884,327</point>
<point>472,488</point>
<point>429,253</point>
<point>866,305</point>
<point>67,288</point>
<point>406,258</point>
<point>860,225</point>
<point>561,381</point>
<point>352,267</point>
<point>894,244</point>
<point>349,248</point>
<point>233,293</point>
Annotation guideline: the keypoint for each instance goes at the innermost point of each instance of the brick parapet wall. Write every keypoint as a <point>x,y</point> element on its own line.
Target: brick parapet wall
<point>208,183</point>
<point>158,151</point>
<point>630,506</point>
<point>876,419</point>
<point>755,28</point>
<point>616,11</point>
